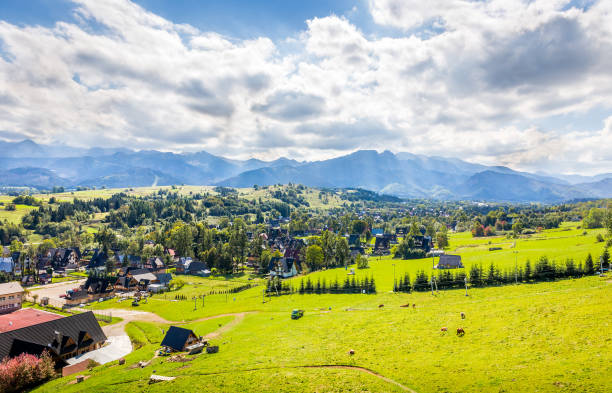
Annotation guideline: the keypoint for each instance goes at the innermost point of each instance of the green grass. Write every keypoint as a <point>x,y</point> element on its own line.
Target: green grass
<point>14,216</point>
<point>545,337</point>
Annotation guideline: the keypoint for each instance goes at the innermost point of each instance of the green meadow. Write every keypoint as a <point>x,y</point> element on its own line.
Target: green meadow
<point>532,337</point>
<point>546,337</point>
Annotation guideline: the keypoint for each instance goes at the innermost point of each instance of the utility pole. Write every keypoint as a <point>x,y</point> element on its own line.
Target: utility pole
<point>465,280</point>
<point>435,282</point>
<point>203,296</point>
<point>431,282</point>
<point>394,277</point>
<point>195,302</point>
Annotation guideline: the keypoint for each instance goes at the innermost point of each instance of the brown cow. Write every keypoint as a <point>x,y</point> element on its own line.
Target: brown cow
<point>444,329</point>
<point>413,305</point>
<point>460,332</point>
<point>462,315</point>
<point>381,305</point>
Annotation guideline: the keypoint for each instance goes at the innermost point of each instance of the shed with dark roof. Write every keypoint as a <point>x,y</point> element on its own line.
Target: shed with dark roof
<point>178,338</point>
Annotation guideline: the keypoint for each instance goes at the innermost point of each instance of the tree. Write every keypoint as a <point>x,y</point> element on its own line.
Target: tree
<point>16,246</point>
<point>595,219</point>
<point>105,238</point>
<point>477,230</point>
<point>362,262</point>
<point>181,238</point>
<point>517,228</point>
<point>314,257</point>
<point>45,246</point>
<point>342,251</point>
<point>589,267</point>
<point>359,226</point>
<point>442,237</point>
<point>605,259</point>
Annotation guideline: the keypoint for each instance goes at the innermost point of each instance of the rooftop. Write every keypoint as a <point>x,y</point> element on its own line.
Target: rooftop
<point>24,318</point>
<point>10,287</point>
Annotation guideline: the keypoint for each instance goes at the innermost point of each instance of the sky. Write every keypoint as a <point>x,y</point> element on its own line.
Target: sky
<point>526,84</point>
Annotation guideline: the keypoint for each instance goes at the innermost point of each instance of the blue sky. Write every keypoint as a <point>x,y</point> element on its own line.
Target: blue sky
<point>517,83</point>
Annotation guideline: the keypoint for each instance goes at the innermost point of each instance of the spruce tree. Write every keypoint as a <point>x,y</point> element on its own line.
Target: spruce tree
<point>589,268</point>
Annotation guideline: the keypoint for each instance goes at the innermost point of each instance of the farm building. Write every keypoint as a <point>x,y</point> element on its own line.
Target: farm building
<point>449,262</point>
<point>178,338</point>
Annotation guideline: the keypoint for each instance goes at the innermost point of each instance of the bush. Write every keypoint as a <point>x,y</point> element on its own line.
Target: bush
<point>600,238</point>
<point>25,371</point>
<point>362,262</point>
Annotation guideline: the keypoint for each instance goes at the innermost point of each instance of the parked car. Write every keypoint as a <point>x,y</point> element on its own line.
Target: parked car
<point>297,314</point>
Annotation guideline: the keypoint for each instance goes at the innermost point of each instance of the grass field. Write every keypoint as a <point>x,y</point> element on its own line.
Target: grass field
<point>533,337</point>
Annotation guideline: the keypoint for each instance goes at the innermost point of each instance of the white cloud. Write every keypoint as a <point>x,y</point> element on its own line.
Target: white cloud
<point>476,89</point>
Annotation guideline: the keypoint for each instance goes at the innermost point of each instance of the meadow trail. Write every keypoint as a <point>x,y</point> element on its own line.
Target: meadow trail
<point>367,371</point>
<point>118,329</point>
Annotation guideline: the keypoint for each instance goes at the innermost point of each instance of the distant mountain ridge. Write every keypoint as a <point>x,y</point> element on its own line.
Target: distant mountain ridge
<point>407,175</point>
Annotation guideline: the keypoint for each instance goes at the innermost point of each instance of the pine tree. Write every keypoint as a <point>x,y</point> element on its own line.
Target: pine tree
<point>605,258</point>
<point>589,268</point>
<point>528,272</point>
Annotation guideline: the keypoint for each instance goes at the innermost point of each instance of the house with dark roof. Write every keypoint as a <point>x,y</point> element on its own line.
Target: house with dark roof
<point>95,287</point>
<point>98,260</point>
<point>283,267</point>
<point>449,262</point>
<point>425,243</point>
<point>64,338</point>
<point>178,339</point>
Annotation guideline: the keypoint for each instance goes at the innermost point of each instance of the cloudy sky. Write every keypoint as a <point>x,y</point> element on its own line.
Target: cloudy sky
<point>526,84</point>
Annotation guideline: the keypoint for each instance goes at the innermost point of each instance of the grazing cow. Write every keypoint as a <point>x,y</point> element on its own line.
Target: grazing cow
<point>381,305</point>
<point>405,305</point>
<point>460,332</point>
<point>351,352</point>
<point>413,305</point>
<point>444,329</point>
<point>462,315</point>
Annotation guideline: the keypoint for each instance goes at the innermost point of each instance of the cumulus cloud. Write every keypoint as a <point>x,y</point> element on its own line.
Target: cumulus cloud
<point>470,79</point>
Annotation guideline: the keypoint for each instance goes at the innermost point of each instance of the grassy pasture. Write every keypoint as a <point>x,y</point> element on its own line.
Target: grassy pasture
<point>532,337</point>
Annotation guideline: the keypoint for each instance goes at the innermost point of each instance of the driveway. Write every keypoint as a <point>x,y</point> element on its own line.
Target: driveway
<point>116,347</point>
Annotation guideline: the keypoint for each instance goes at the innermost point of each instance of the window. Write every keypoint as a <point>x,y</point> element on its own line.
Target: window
<point>11,297</point>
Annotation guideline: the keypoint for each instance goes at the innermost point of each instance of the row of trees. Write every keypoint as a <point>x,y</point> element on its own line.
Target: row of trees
<point>322,286</point>
<point>542,270</point>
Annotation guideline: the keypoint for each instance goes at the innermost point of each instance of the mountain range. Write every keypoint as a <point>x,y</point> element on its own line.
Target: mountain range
<point>406,175</point>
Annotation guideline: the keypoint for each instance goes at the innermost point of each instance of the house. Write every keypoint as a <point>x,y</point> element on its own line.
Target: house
<point>194,268</point>
<point>95,287</point>
<point>283,267</point>
<point>401,231</point>
<point>64,338</point>
<point>24,318</point>
<point>423,242</point>
<point>98,260</point>
<point>382,243</point>
<point>178,339</point>
<point>11,296</point>
<point>354,240</point>
<point>154,263</point>
<point>7,265</point>
<point>377,231</point>
<point>163,278</point>
<point>449,262</point>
